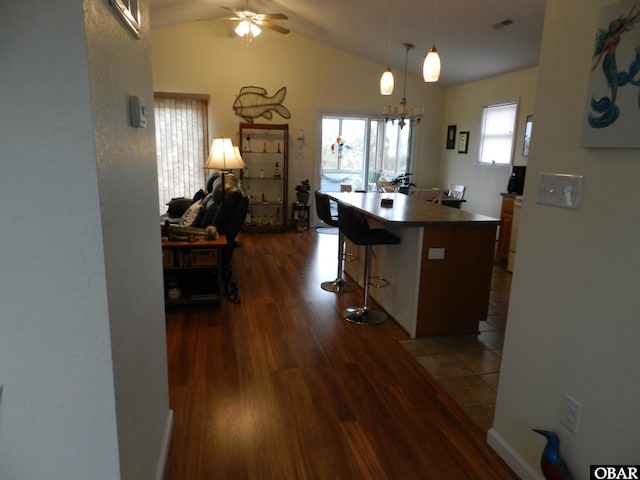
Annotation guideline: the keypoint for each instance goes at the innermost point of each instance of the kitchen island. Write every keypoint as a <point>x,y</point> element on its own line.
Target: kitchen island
<point>440,274</point>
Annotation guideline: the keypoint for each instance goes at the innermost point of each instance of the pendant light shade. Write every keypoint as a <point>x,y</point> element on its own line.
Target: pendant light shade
<point>431,66</point>
<point>386,82</point>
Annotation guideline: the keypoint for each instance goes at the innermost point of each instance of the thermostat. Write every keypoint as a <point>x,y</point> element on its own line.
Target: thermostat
<point>138,112</point>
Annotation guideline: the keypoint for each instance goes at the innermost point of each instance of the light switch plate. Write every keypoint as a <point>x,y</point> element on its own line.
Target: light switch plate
<point>560,190</point>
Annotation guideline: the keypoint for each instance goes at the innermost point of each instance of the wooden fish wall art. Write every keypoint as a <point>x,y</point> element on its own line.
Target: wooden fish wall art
<point>253,102</point>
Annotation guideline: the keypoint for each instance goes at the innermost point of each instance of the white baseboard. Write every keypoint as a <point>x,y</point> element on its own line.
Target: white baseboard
<point>511,457</point>
<point>166,441</point>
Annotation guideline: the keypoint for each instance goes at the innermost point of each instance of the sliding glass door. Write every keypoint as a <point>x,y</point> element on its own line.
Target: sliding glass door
<point>359,150</point>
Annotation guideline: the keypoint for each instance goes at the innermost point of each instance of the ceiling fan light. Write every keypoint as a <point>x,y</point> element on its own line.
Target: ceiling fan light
<point>243,28</point>
<point>386,82</point>
<point>431,67</point>
<point>255,30</point>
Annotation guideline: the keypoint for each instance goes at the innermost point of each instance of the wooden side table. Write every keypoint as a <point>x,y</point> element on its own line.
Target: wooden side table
<point>300,216</point>
<point>192,271</point>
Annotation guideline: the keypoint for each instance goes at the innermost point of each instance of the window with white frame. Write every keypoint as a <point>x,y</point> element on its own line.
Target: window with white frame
<point>498,133</point>
<point>181,144</point>
<point>359,149</point>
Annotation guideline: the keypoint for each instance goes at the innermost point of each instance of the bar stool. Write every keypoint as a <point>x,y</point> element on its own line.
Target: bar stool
<point>356,229</point>
<point>323,209</point>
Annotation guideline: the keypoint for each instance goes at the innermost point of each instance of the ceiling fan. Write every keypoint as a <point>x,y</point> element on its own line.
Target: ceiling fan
<point>251,23</point>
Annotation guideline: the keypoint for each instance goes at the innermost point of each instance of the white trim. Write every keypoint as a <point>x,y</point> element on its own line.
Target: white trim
<point>164,450</point>
<point>511,457</point>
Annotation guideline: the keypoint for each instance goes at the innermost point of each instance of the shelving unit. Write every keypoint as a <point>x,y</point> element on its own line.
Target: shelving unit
<point>265,150</point>
<point>192,271</point>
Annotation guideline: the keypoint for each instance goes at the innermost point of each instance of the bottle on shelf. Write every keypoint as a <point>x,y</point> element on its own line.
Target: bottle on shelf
<point>276,171</point>
<point>262,173</point>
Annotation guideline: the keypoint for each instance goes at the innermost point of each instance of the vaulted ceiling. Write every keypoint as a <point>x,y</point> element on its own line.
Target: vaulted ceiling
<point>476,39</point>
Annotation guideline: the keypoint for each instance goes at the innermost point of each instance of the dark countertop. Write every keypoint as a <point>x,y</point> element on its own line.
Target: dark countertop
<point>410,211</point>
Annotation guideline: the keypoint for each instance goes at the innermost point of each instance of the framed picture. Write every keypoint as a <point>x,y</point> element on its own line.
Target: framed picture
<point>451,137</point>
<point>463,142</point>
<point>612,113</point>
<point>527,135</point>
<point>129,12</point>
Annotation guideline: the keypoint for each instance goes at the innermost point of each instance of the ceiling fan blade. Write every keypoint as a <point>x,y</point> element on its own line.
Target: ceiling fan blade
<point>230,9</point>
<point>272,26</point>
<point>273,16</point>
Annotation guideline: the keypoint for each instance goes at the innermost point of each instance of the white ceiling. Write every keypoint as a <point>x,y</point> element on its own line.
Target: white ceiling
<point>469,48</point>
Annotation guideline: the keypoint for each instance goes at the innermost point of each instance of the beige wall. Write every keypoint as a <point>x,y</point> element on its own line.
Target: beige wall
<point>463,108</point>
<point>573,317</point>
<point>205,57</point>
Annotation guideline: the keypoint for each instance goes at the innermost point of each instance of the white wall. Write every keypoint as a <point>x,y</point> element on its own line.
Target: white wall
<point>206,57</point>
<point>82,356</point>
<point>573,317</point>
<point>120,66</point>
<point>463,108</point>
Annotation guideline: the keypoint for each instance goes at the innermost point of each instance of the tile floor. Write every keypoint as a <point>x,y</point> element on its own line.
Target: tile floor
<point>468,366</point>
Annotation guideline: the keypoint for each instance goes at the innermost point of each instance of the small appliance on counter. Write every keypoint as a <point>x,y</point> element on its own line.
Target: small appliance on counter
<point>516,179</point>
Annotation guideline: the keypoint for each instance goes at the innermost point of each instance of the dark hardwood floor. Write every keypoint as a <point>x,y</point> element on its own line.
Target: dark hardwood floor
<point>281,387</point>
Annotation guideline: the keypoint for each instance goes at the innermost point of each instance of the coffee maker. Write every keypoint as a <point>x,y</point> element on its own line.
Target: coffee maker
<point>516,180</point>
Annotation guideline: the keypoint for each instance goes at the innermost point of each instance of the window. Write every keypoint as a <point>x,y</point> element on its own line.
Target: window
<point>498,132</point>
<point>181,144</point>
<point>358,149</point>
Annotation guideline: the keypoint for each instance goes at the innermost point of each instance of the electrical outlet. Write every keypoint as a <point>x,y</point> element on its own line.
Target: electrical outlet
<point>570,413</point>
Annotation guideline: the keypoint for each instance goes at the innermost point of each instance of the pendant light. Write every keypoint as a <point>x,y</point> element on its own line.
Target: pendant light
<point>404,113</point>
<point>387,81</point>
<point>431,67</point>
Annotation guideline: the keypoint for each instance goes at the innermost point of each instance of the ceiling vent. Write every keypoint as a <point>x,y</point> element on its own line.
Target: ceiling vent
<point>508,22</point>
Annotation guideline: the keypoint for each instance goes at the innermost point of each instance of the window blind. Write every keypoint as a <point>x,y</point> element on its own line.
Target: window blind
<point>181,144</point>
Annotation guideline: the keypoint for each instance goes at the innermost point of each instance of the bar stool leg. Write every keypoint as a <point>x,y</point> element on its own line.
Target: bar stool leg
<point>339,284</point>
<point>364,315</point>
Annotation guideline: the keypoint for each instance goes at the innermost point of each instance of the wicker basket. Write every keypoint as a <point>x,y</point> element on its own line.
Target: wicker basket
<point>204,257</point>
<point>167,258</point>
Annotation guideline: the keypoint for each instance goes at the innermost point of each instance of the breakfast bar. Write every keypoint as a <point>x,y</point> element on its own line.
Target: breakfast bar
<point>440,274</point>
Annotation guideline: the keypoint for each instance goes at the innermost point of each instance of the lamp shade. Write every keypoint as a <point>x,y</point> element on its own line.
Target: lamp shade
<point>239,159</point>
<point>386,82</point>
<point>222,155</point>
<point>431,66</point>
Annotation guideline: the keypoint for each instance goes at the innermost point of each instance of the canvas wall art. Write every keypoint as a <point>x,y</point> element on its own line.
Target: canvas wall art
<point>612,111</point>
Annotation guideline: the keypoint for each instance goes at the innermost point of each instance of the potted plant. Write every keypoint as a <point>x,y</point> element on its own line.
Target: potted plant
<point>302,192</point>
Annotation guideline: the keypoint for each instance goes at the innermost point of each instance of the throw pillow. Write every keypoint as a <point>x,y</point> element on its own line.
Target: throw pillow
<point>199,195</point>
<point>177,207</point>
<point>191,214</point>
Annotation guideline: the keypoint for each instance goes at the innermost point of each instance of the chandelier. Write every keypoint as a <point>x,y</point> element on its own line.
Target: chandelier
<point>404,114</point>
